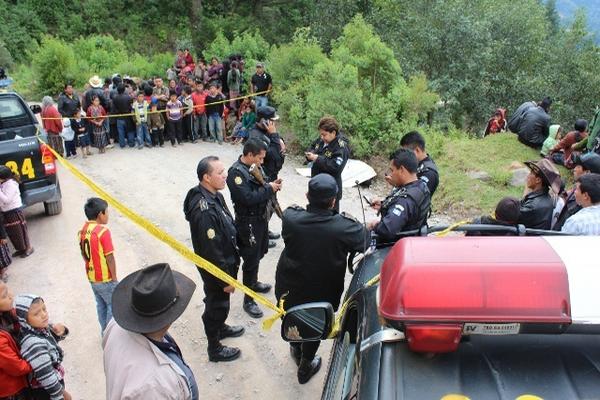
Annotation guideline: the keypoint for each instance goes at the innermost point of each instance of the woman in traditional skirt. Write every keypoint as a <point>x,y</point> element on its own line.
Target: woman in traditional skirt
<point>5,259</point>
<point>14,219</point>
<point>52,123</point>
<point>97,115</point>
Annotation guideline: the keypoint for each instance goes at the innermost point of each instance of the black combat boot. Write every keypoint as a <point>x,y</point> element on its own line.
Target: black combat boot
<point>307,369</point>
<point>217,352</point>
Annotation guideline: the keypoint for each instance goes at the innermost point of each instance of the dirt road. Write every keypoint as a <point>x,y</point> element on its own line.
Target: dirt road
<point>154,182</point>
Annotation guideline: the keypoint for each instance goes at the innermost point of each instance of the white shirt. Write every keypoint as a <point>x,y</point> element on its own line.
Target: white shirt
<point>585,222</point>
<point>10,195</point>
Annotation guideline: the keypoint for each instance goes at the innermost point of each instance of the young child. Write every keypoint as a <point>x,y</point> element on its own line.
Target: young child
<point>187,121</point>
<point>69,137</point>
<point>97,113</point>
<point>556,134</point>
<point>214,112</point>
<point>13,369</point>
<point>140,110</point>
<point>174,115</point>
<point>81,135</point>
<point>11,206</point>
<point>156,124</point>
<point>96,247</point>
<point>39,347</point>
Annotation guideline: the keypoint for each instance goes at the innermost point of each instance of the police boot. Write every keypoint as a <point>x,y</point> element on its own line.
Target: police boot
<point>217,352</point>
<point>274,236</point>
<point>252,309</point>
<point>308,368</point>
<point>260,287</point>
<point>231,331</point>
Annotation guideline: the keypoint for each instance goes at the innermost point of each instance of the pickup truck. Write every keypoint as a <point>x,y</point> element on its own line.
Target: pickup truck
<point>30,159</point>
<point>464,318</point>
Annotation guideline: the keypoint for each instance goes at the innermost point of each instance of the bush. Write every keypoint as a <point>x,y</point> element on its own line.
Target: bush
<point>361,85</point>
<point>251,45</point>
<point>6,59</point>
<point>54,64</point>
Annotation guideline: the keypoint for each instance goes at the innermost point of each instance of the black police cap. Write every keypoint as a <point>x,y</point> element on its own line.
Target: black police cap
<point>267,112</point>
<point>322,187</point>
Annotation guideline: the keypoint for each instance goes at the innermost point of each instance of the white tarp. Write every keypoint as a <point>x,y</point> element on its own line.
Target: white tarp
<point>355,170</point>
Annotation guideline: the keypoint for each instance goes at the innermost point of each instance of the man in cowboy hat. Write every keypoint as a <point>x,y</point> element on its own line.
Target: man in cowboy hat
<point>537,205</point>
<point>95,90</point>
<point>141,360</point>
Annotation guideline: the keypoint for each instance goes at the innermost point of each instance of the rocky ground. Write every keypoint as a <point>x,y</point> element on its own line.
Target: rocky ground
<point>154,182</point>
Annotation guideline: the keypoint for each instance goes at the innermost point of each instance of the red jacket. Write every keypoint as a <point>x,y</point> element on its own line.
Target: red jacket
<point>54,125</point>
<point>13,369</point>
<point>198,100</point>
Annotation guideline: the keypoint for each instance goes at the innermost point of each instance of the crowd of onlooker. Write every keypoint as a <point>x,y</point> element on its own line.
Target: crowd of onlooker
<point>547,203</point>
<point>209,102</point>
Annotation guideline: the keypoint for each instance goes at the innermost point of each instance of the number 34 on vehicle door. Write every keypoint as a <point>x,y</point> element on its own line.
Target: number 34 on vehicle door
<point>26,168</point>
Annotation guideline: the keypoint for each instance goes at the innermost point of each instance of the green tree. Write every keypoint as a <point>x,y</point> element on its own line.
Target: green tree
<point>54,64</point>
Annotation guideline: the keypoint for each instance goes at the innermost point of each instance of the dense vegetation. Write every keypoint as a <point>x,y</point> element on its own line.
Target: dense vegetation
<point>475,55</point>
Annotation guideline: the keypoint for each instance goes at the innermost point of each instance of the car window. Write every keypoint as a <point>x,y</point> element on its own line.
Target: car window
<point>11,107</point>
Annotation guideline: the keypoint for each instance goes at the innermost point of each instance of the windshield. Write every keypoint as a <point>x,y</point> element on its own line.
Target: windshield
<point>11,107</point>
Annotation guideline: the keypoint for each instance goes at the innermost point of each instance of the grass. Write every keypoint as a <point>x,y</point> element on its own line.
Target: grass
<point>460,195</point>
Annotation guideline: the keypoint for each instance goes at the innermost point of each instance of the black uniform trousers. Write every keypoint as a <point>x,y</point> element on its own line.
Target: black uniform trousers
<point>254,235</point>
<point>306,350</point>
<point>215,314</point>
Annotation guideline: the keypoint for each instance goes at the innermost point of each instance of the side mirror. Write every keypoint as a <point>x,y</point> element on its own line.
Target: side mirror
<point>36,108</point>
<point>307,322</point>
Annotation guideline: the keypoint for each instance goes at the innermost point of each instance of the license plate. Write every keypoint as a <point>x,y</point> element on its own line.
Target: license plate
<point>491,329</point>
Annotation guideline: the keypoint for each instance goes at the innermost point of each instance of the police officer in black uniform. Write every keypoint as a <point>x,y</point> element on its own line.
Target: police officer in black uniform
<point>214,238</point>
<point>407,207</point>
<point>427,170</point>
<point>250,200</point>
<point>329,153</point>
<point>265,130</point>
<point>312,265</point>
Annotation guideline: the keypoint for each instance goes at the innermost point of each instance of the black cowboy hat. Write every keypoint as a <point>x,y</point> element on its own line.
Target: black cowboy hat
<point>152,298</point>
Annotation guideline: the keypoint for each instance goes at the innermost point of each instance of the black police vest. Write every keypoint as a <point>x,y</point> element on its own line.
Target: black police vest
<point>416,191</point>
<point>257,210</point>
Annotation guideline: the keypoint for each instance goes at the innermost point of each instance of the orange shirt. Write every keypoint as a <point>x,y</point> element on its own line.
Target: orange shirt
<point>95,243</point>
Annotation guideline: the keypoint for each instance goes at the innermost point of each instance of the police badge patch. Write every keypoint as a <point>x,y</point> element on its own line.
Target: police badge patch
<point>238,180</point>
<point>210,233</point>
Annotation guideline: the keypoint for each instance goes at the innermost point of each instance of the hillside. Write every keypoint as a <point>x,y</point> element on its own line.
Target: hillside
<point>497,155</point>
<point>567,8</point>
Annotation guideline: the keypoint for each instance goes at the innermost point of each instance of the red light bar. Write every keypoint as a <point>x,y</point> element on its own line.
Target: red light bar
<point>463,279</point>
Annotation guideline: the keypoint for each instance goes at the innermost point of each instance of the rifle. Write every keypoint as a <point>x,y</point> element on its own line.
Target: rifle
<point>257,174</point>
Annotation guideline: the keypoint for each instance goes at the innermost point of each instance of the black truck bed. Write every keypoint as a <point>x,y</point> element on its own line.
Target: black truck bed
<point>496,367</point>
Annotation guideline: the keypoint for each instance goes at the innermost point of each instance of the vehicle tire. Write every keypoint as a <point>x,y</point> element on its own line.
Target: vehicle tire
<point>53,208</point>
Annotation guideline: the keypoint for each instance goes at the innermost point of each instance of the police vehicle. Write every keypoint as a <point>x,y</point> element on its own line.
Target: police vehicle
<point>464,318</point>
<point>20,151</point>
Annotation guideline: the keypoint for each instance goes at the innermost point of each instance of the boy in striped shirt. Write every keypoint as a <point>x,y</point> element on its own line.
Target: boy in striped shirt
<point>97,250</point>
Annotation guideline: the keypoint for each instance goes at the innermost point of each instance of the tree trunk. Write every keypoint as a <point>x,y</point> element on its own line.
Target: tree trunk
<point>196,25</point>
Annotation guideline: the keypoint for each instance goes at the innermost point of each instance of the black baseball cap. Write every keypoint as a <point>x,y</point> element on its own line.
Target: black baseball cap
<point>589,162</point>
<point>267,112</point>
<point>322,187</point>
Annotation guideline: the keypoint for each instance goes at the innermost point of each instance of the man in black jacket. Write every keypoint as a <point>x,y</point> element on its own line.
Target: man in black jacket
<point>121,104</point>
<point>407,207</point>
<point>535,124</point>
<point>329,154</point>
<point>68,102</point>
<point>312,265</point>
<point>214,238</point>
<point>250,199</point>
<point>537,205</point>
<point>427,171</point>
<point>266,131</point>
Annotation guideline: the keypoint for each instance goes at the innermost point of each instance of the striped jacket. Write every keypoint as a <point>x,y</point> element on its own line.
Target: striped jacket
<point>39,347</point>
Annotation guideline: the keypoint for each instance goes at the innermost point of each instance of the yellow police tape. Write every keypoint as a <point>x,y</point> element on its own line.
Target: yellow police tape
<point>109,116</point>
<point>171,241</point>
